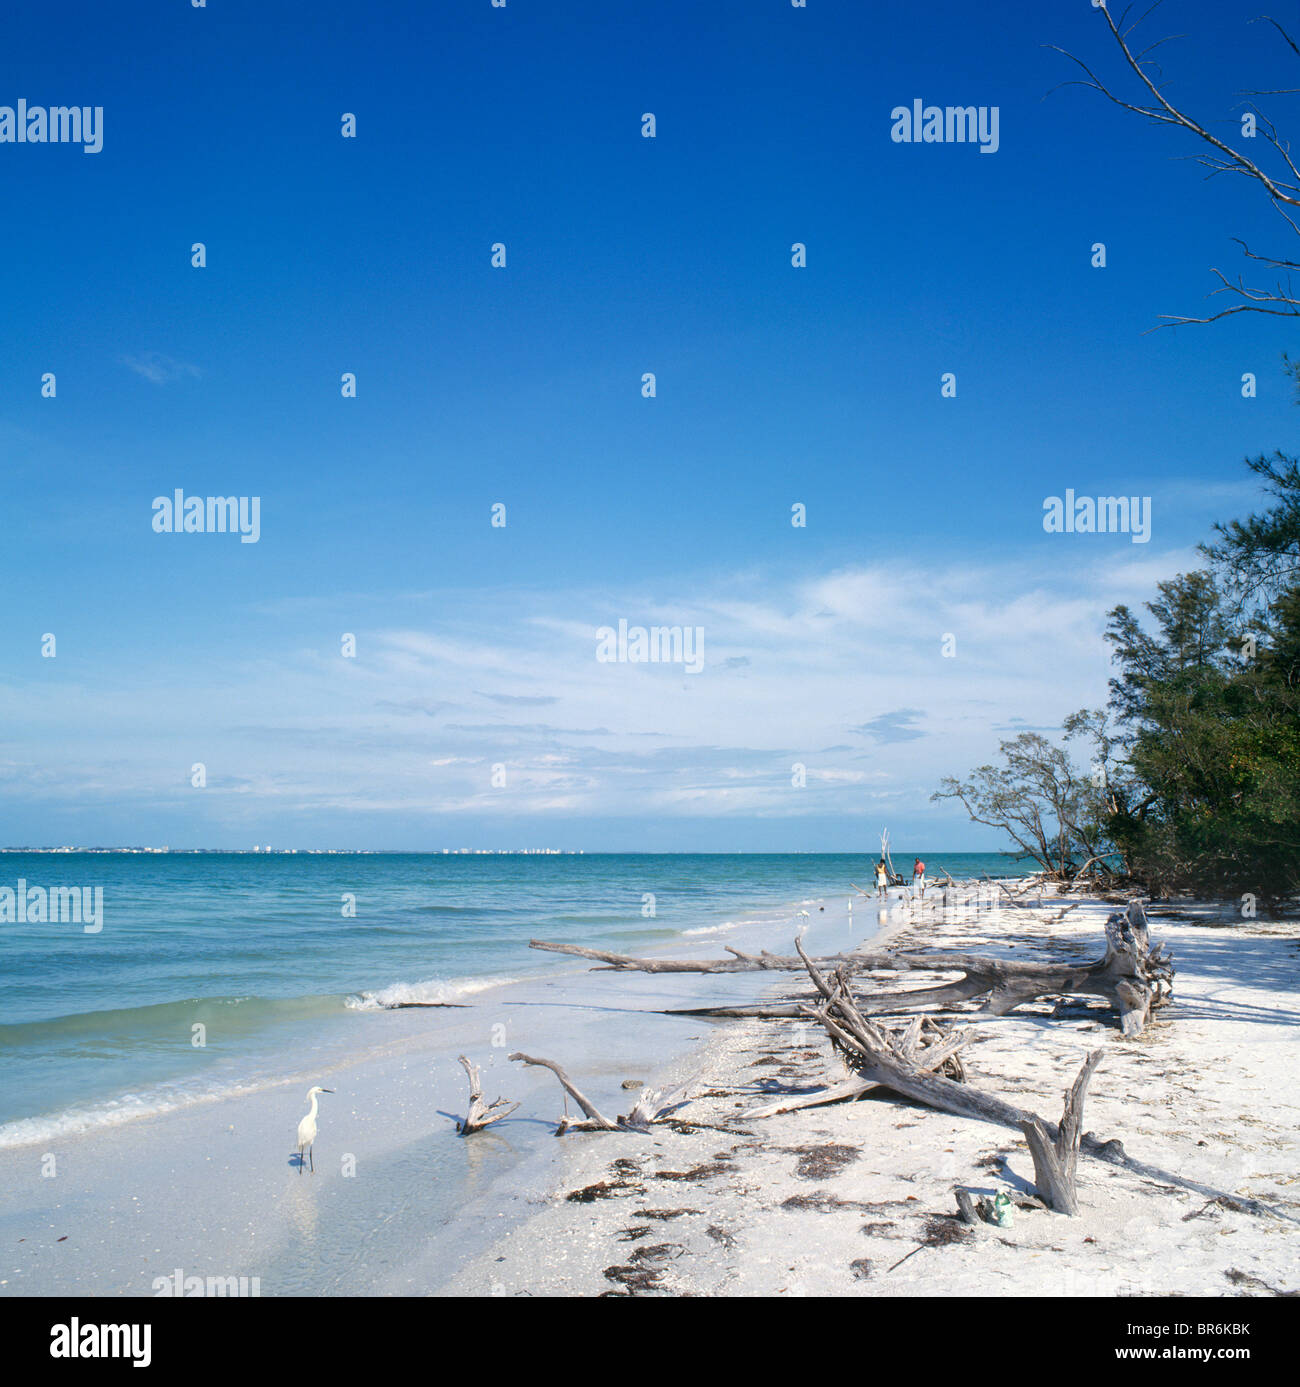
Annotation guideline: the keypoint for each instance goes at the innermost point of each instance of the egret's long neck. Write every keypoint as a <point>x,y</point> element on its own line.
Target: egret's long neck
<point>314,1101</point>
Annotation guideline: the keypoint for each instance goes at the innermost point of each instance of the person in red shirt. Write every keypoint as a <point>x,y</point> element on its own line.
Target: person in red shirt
<point>918,876</point>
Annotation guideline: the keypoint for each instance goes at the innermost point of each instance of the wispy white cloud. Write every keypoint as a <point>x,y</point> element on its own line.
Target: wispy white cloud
<point>842,673</point>
<point>159,368</point>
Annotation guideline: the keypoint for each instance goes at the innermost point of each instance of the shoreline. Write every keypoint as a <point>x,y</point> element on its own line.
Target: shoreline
<point>211,1187</point>
<point>858,1199</point>
<point>848,1199</point>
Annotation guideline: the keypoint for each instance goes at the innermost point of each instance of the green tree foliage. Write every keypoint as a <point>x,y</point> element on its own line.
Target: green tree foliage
<point>1214,737</point>
<point>1261,554</point>
<point>1195,778</point>
<point>1212,717</point>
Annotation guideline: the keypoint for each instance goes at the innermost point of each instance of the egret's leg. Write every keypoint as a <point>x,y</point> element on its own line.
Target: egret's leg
<point>311,1152</point>
<point>300,1160</point>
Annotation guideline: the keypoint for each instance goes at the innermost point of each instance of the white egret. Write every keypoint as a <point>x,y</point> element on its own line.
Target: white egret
<point>307,1130</point>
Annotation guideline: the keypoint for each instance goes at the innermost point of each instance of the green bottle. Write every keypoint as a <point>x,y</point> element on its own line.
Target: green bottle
<point>1003,1209</point>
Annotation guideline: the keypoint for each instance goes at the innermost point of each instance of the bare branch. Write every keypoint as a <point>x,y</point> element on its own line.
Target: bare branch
<point>1268,19</point>
<point>480,1114</point>
<point>592,1112</point>
<point>1282,192</point>
<point>1172,115</point>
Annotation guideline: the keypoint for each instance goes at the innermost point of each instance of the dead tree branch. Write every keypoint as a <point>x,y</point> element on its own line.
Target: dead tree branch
<point>738,963</point>
<point>480,1114</point>
<point>1282,189</point>
<point>890,1059</point>
<point>654,1105</point>
<point>595,1120</point>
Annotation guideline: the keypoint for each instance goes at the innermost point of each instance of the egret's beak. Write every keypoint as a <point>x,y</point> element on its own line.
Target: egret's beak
<point>327,1090</point>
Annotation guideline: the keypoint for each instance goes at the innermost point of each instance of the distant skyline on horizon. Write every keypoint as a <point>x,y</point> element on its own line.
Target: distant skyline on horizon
<point>168,851</point>
<point>921,615</point>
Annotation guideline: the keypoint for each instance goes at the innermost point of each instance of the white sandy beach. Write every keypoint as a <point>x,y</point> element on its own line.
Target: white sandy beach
<point>830,1201</point>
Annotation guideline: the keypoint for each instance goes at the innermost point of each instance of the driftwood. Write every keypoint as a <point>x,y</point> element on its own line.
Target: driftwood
<point>968,1209</point>
<point>921,1060</point>
<point>1055,1160</point>
<point>653,1105</point>
<point>1006,891</point>
<point>892,1059</point>
<point>480,1114</point>
<point>1144,976</point>
<point>1133,976</point>
<point>884,1059</point>
<point>738,962</point>
<point>924,1044</point>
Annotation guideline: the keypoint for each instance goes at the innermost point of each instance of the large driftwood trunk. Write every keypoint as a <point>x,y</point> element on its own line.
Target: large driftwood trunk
<point>1132,975</point>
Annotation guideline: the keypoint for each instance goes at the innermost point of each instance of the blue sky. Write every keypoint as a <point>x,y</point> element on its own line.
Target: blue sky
<point>523,386</point>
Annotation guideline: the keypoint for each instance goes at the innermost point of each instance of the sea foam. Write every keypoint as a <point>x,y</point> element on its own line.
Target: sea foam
<point>428,993</point>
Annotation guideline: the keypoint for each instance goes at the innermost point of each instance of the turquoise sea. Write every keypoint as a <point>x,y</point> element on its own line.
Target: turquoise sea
<point>213,972</point>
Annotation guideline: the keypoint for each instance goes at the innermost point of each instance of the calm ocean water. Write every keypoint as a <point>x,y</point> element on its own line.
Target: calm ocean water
<point>257,950</point>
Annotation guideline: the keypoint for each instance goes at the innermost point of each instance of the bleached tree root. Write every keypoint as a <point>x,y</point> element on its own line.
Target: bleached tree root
<point>480,1114</point>
<point>1134,977</point>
